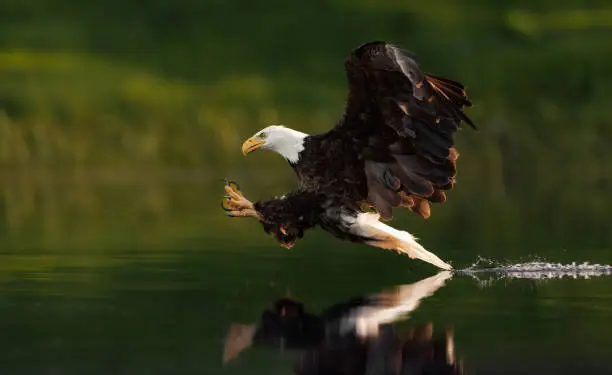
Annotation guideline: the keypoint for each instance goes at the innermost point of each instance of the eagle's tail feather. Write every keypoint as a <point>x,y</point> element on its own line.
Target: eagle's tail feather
<point>384,236</point>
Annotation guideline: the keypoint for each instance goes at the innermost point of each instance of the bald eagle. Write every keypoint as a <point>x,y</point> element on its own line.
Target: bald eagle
<point>393,147</point>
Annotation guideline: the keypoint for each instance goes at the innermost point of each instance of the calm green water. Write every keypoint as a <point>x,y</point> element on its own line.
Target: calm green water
<point>134,280</point>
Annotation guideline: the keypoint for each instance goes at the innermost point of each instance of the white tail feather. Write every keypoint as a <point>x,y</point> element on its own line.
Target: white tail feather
<point>368,224</point>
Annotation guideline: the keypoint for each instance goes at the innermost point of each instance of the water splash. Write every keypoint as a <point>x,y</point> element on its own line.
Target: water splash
<point>534,269</point>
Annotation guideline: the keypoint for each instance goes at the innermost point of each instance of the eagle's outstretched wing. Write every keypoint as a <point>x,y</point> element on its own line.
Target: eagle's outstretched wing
<point>406,121</point>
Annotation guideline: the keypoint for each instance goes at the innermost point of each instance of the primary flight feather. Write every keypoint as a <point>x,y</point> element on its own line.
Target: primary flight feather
<point>393,146</point>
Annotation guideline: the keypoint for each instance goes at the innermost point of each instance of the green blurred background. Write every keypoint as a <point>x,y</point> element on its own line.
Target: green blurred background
<point>119,118</point>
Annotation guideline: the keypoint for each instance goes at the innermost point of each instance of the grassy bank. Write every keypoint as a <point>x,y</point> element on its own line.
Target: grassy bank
<point>114,86</point>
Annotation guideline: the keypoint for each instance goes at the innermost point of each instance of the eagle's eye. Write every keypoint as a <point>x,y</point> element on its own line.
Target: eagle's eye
<point>262,135</point>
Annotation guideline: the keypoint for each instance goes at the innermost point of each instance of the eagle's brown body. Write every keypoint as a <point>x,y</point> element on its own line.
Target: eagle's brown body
<point>392,147</point>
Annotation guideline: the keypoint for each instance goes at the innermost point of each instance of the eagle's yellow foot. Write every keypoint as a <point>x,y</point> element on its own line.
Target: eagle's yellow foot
<point>235,204</point>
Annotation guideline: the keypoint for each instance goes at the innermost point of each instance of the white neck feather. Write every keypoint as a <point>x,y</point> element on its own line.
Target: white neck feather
<point>287,142</point>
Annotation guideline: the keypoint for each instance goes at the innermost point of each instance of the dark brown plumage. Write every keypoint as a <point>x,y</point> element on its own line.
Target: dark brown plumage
<point>396,135</point>
<point>393,146</point>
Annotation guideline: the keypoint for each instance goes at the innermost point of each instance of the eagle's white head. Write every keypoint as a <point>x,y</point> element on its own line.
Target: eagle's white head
<point>285,141</point>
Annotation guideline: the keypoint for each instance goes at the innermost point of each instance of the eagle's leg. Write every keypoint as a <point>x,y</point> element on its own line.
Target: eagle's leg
<point>236,205</point>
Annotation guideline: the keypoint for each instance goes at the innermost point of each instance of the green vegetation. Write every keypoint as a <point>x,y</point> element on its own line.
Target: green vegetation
<point>138,92</point>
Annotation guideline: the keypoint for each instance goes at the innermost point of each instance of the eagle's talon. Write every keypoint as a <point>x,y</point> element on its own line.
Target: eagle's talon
<point>235,204</point>
<point>225,203</point>
<point>232,184</point>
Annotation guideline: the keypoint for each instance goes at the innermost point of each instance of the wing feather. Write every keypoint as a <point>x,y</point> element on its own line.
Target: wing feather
<point>407,119</point>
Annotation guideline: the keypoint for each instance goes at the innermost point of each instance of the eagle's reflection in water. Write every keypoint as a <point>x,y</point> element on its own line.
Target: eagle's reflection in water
<point>354,337</point>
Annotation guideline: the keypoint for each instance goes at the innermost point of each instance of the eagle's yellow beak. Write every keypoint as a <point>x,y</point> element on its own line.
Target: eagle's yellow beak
<point>252,144</point>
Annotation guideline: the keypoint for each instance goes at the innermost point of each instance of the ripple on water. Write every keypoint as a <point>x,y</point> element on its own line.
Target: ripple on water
<point>538,269</point>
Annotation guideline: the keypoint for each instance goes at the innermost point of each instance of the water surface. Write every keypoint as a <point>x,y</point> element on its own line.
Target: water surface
<point>159,286</point>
